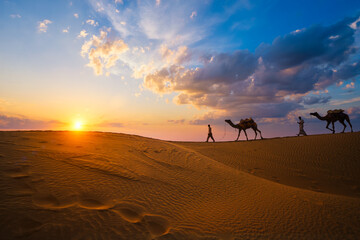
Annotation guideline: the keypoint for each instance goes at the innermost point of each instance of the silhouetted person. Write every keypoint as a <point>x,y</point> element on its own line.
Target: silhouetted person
<point>301,127</point>
<point>210,135</point>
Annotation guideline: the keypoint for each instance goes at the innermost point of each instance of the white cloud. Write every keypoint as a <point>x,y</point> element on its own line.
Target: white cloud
<point>99,7</point>
<point>76,15</point>
<point>144,70</point>
<point>178,56</point>
<point>92,22</point>
<point>119,1</point>
<point>354,24</point>
<point>193,14</point>
<point>83,34</point>
<point>103,52</point>
<point>297,31</point>
<point>158,2</point>
<point>15,16</point>
<point>66,30</point>
<point>42,27</point>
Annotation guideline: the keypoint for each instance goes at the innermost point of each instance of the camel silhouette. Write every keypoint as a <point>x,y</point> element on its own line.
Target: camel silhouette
<point>333,116</point>
<point>243,125</point>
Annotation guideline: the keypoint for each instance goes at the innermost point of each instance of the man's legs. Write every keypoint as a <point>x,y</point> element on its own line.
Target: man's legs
<point>302,132</point>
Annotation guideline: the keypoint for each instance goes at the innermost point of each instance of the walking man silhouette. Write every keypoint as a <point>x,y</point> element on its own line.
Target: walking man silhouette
<point>301,127</point>
<point>210,135</point>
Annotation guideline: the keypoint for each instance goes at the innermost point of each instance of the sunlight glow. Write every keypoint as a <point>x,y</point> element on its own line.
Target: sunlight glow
<point>78,125</point>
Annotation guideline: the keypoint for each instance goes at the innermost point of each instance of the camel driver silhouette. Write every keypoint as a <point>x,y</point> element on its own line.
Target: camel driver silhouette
<point>301,127</point>
<point>210,135</point>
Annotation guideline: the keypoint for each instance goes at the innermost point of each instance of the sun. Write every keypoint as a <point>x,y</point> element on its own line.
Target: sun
<point>78,125</point>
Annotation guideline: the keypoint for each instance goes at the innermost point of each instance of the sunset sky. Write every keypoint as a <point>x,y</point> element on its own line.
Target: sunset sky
<point>166,69</point>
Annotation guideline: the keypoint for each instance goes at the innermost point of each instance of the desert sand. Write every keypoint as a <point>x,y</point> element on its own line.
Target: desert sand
<point>93,185</point>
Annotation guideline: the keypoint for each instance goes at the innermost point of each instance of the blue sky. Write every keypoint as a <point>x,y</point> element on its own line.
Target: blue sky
<point>166,69</point>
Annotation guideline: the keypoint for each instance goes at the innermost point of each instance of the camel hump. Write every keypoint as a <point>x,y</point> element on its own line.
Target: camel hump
<point>246,120</point>
<point>335,111</point>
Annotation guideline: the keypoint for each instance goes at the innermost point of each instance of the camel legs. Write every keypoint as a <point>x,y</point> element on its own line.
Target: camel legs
<point>348,120</point>
<point>257,130</point>
<point>255,133</point>
<point>327,126</point>
<point>333,127</point>
<point>246,135</point>
<point>342,122</point>
<point>260,133</point>
<point>238,135</point>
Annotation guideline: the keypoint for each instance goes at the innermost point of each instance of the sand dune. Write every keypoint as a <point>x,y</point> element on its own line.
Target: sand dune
<point>89,185</point>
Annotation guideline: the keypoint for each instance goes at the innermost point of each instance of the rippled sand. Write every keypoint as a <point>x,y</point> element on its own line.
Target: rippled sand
<point>90,185</point>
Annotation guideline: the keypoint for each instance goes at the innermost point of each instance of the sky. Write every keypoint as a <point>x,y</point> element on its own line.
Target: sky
<point>167,69</point>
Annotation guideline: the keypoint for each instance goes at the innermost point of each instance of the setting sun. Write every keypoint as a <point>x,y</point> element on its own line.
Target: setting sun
<point>78,125</point>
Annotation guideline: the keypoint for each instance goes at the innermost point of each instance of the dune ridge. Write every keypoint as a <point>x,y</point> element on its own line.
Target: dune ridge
<point>91,185</point>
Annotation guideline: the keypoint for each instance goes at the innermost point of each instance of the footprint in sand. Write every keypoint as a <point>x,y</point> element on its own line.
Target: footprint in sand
<point>91,203</point>
<point>21,189</point>
<point>20,172</point>
<point>129,212</point>
<point>156,225</point>
<point>47,200</point>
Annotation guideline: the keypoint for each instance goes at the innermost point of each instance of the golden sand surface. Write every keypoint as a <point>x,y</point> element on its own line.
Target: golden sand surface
<point>93,185</point>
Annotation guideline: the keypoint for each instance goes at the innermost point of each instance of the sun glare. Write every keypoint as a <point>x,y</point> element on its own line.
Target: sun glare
<point>78,125</point>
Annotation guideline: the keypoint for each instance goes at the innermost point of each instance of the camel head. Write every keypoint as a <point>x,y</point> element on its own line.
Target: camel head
<point>314,114</point>
<point>231,123</point>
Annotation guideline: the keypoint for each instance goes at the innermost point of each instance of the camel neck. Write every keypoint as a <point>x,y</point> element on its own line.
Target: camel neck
<point>320,117</point>
<point>231,124</point>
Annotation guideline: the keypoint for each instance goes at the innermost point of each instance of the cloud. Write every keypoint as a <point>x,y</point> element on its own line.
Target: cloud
<point>354,110</point>
<point>193,14</point>
<point>43,25</point>
<point>294,64</point>
<point>341,102</point>
<point>15,16</point>
<point>103,52</point>
<point>179,121</point>
<point>66,30</point>
<point>110,124</point>
<point>178,56</point>
<point>92,22</point>
<point>214,78</point>
<point>21,122</point>
<point>354,25</point>
<point>310,100</point>
<point>167,22</point>
<point>119,1</point>
<point>349,85</point>
<point>82,34</point>
<point>76,15</point>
